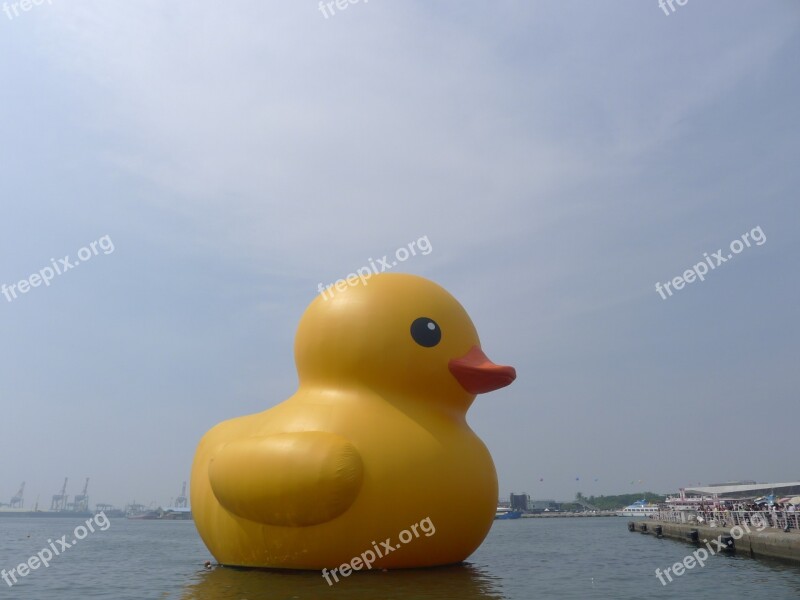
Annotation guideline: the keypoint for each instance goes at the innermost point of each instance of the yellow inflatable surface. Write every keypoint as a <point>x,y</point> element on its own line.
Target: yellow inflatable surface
<point>371,463</point>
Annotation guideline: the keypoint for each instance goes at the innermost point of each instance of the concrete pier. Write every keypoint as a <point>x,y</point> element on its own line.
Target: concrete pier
<point>770,542</point>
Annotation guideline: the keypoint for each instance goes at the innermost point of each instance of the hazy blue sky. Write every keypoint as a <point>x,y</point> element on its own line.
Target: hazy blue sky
<point>561,157</point>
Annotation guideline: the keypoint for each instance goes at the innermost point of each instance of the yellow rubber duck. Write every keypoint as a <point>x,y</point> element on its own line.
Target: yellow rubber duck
<point>372,456</point>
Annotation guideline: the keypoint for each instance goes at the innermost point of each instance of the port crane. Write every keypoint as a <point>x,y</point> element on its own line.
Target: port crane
<point>81,502</point>
<point>17,501</point>
<point>181,501</point>
<point>60,500</point>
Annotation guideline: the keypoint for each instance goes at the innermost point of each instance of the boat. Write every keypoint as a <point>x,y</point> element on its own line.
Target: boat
<point>177,513</point>
<point>682,503</point>
<point>140,512</point>
<point>504,512</point>
<point>639,509</point>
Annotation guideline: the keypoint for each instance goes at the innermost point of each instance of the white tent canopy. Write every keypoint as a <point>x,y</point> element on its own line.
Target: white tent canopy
<point>758,489</point>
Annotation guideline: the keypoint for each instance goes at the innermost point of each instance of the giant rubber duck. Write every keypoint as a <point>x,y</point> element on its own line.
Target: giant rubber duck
<point>373,452</point>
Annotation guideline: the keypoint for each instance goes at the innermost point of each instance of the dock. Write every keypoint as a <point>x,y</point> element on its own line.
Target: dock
<point>748,537</point>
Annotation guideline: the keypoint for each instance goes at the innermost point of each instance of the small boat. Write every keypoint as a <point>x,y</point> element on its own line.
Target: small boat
<point>175,513</point>
<point>504,512</point>
<point>140,512</point>
<point>640,508</point>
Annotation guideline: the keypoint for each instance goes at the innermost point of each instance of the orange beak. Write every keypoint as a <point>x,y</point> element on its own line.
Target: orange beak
<point>478,375</point>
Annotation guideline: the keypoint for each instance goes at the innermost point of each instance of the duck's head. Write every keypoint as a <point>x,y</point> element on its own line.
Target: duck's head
<point>397,334</point>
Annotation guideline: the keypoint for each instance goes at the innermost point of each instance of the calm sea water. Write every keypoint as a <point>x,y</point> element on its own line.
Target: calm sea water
<point>523,559</point>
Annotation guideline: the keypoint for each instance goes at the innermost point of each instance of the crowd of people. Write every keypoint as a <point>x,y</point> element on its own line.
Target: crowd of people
<point>783,514</point>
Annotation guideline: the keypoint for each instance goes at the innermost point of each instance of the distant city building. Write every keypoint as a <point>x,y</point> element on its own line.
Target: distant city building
<point>520,502</point>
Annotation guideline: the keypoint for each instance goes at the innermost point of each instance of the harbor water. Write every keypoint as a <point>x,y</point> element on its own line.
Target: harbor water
<point>521,559</point>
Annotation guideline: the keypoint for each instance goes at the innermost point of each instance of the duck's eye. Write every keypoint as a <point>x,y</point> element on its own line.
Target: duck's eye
<point>426,332</point>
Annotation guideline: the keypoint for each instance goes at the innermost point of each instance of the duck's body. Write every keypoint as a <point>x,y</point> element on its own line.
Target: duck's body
<point>411,470</point>
<point>349,463</point>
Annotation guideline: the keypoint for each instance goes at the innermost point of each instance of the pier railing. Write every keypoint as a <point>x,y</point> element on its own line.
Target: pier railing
<point>761,519</point>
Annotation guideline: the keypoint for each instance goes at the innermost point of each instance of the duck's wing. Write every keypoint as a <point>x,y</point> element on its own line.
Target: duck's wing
<point>289,479</point>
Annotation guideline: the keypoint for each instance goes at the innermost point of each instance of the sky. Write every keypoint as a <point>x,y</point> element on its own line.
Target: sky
<point>560,158</point>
